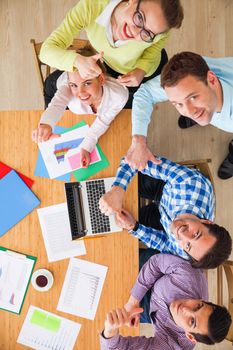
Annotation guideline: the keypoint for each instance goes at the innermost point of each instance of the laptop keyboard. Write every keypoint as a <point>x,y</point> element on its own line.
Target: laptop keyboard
<point>99,222</point>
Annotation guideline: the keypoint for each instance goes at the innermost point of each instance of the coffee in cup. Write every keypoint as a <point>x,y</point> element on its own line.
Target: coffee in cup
<point>42,280</point>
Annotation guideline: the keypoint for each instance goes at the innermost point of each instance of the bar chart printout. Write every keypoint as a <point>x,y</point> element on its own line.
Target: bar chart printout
<point>44,330</point>
<point>82,288</point>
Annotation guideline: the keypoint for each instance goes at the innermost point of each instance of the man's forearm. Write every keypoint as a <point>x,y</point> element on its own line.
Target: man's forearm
<point>124,175</point>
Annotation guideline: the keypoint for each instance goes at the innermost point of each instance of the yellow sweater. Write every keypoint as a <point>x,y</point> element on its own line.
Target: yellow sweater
<point>123,59</point>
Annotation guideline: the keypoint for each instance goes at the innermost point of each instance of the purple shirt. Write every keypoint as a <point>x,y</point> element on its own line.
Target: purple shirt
<point>171,278</point>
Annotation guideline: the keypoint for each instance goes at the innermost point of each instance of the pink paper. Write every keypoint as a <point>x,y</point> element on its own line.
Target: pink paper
<point>75,163</point>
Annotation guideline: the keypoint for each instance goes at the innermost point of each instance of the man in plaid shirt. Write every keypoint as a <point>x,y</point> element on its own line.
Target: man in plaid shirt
<point>180,219</point>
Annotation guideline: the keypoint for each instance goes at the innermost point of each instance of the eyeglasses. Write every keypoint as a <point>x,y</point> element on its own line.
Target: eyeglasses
<point>146,35</point>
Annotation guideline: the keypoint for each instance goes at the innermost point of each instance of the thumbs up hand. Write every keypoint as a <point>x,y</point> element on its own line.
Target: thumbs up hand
<point>87,66</point>
<point>119,318</point>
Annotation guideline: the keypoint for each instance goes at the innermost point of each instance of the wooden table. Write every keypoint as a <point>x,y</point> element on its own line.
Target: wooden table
<point>117,251</point>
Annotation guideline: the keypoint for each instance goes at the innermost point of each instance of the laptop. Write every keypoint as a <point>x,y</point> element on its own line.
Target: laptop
<point>83,208</point>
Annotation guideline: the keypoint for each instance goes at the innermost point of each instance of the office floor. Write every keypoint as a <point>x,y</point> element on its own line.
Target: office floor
<point>205,30</point>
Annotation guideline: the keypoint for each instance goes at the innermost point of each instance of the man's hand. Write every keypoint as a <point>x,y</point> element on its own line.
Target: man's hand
<point>84,158</point>
<point>132,78</point>
<point>139,154</point>
<point>111,202</point>
<point>131,305</point>
<point>125,219</point>
<point>119,318</point>
<point>87,66</point>
<point>42,133</point>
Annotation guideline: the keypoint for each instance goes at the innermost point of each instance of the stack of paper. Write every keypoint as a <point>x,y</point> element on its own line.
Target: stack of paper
<point>16,199</point>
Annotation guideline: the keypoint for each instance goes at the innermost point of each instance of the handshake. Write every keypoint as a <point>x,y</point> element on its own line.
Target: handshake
<point>112,203</point>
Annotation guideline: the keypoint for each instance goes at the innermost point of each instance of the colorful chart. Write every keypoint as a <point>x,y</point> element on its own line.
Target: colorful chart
<point>61,149</point>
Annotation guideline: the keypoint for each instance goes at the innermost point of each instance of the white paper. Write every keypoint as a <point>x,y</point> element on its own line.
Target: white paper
<point>55,226</point>
<point>56,165</point>
<point>44,330</point>
<point>82,288</point>
<point>15,271</point>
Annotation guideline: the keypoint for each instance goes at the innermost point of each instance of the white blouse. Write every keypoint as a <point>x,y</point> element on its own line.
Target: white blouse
<point>114,99</point>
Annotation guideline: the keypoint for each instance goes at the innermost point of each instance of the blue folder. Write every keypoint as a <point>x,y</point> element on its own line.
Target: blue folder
<point>16,201</point>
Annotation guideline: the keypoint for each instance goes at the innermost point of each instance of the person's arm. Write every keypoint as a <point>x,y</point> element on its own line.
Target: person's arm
<point>149,94</point>
<point>119,342</point>
<point>52,114</point>
<point>111,202</point>
<point>156,239</point>
<point>110,338</point>
<point>114,99</point>
<point>166,170</point>
<point>156,267</point>
<point>151,57</point>
<point>144,100</point>
<point>54,49</point>
<point>57,106</point>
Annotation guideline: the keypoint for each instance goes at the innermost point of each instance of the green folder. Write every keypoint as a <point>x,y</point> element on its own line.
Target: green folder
<point>14,256</point>
<point>83,173</point>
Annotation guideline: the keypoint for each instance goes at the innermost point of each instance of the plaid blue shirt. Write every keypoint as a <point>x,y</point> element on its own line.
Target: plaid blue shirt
<point>186,191</point>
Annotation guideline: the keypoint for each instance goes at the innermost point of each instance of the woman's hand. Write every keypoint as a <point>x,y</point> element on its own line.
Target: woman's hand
<point>42,133</point>
<point>87,66</point>
<point>85,158</point>
<point>132,78</point>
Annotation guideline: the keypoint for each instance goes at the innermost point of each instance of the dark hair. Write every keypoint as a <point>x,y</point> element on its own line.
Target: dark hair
<point>181,65</point>
<point>218,326</point>
<point>173,12</point>
<point>219,252</point>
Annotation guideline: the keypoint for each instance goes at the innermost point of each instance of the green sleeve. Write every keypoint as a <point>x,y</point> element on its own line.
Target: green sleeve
<point>150,59</point>
<point>54,50</point>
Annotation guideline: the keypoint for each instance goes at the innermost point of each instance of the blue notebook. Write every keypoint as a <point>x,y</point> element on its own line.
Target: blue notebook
<point>16,201</point>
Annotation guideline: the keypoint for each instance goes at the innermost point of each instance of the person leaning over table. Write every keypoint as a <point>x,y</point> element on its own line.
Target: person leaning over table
<point>179,221</point>
<point>102,96</point>
<point>129,35</point>
<point>200,88</point>
<point>178,309</point>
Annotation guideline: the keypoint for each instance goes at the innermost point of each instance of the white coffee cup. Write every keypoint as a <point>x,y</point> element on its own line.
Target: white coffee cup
<point>42,280</point>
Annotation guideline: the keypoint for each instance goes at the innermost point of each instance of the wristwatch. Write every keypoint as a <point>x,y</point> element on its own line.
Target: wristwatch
<point>136,226</point>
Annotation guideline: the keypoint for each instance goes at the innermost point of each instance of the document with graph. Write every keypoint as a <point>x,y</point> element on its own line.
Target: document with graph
<point>15,274</point>
<point>61,155</point>
<point>44,330</point>
<point>82,288</point>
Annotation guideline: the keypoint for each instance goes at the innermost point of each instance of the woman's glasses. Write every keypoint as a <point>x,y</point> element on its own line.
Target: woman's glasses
<point>146,35</point>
